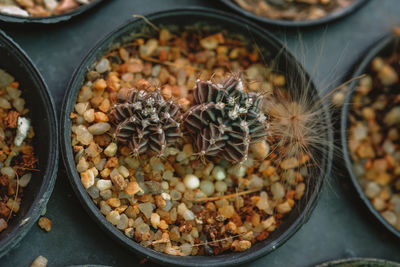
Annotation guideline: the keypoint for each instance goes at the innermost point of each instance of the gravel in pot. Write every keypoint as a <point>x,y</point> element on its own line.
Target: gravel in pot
<point>28,156</point>
<point>176,136</point>
<point>294,13</point>
<point>46,11</point>
<point>370,132</point>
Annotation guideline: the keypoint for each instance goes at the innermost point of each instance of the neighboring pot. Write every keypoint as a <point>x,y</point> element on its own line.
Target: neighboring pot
<point>359,262</point>
<point>234,24</point>
<point>294,23</point>
<point>45,143</point>
<point>384,47</point>
<point>51,19</point>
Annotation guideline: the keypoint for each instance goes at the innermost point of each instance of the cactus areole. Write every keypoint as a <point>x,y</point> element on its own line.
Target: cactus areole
<point>225,119</point>
<point>146,121</point>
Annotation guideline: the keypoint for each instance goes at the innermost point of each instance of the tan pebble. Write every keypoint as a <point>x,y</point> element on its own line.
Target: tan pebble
<point>100,117</point>
<point>268,222</point>
<point>164,36</point>
<point>114,202</point>
<point>96,101</point>
<point>105,105</point>
<point>241,245</point>
<point>105,173</point>
<point>255,219</point>
<point>209,43</point>
<point>166,92</point>
<point>83,165</point>
<point>289,163</point>
<point>39,262</point>
<point>383,178</point>
<point>142,84</point>
<point>119,182</point>
<point>155,220</point>
<point>184,103</point>
<point>100,84</point>
<point>3,224</point>
<point>163,225</point>
<point>66,6</point>
<point>365,150</point>
<point>260,149</point>
<point>283,207</point>
<point>388,75</point>
<point>87,179</point>
<point>26,3</point>
<point>93,150</point>
<point>88,115</point>
<point>133,188</point>
<point>113,82</point>
<point>227,211</point>
<point>45,224</point>
<point>378,203</point>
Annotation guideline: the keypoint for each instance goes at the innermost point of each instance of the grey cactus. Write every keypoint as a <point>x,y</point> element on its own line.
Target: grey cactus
<point>146,121</point>
<point>225,119</point>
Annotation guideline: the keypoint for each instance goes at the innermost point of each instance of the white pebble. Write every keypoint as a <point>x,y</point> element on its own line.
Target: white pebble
<point>106,194</point>
<point>372,189</point>
<point>93,192</point>
<point>186,249</point>
<point>155,220</point>
<point>83,135</point>
<point>219,173</point>
<point>103,184</point>
<point>99,128</point>
<point>104,208</point>
<point>188,215</point>
<point>278,190</point>
<point>113,217</point>
<point>111,149</point>
<point>207,187</point>
<point>103,65</point>
<point>4,104</point>
<point>40,262</point>
<point>25,179</point>
<point>191,181</point>
<point>221,186</point>
<point>123,171</point>
<point>123,222</point>
<point>8,171</point>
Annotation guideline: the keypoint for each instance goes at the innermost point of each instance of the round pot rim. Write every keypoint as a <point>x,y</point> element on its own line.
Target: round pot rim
<point>374,51</point>
<point>49,175</point>
<point>49,20</point>
<point>93,210</point>
<point>356,260</point>
<point>294,23</point>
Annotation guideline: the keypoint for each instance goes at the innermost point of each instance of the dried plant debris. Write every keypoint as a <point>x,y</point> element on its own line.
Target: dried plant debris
<point>17,159</point>
<point>40,8</point>
<point>187,197</point>
<point>295,10</point>
<point>374,135</point>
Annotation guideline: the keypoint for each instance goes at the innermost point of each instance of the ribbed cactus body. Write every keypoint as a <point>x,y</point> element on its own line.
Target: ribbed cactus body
<point>225,119</point>
<point>146,121</point>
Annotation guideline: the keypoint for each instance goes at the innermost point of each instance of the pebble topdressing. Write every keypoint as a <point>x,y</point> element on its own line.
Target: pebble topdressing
<point>179,204</point>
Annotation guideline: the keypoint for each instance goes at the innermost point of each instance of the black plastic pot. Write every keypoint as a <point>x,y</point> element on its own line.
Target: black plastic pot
<point>43,117</point>
<point>359,262</point>
<point>383,48</point>
<point>292,23</point>
<point>235,26</point>
<point>51,19</point>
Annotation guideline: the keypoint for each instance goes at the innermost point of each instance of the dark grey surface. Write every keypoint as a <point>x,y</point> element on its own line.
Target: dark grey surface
<point>339,226</point>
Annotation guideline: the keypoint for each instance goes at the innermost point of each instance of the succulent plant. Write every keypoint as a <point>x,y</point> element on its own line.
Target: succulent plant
<point>146,121</point>
<point>225,119</point>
